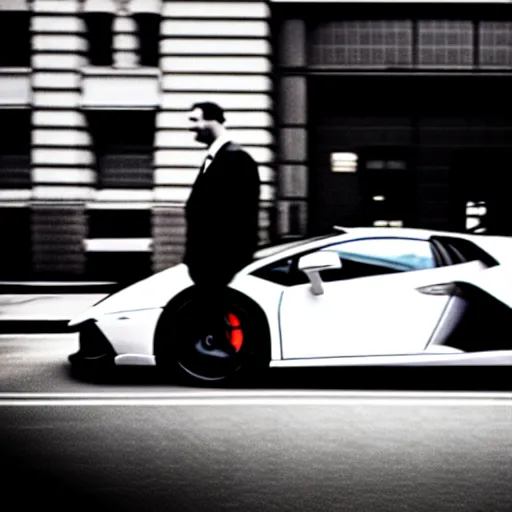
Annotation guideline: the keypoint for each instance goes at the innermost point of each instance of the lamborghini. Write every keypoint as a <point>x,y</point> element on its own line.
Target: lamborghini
<point>356,296</point>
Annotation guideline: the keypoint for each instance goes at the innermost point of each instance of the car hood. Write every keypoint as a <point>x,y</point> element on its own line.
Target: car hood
<point>153,292</point>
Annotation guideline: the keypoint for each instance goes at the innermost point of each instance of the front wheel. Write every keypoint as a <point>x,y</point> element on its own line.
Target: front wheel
<point>239,354</point>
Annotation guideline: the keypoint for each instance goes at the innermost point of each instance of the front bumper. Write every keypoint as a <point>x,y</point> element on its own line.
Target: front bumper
<point>95,351</point>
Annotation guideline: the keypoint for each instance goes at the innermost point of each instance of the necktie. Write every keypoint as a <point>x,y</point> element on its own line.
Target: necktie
<point>206,162</point>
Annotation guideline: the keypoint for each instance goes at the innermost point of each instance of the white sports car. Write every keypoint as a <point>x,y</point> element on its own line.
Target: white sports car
<point>359,296</point>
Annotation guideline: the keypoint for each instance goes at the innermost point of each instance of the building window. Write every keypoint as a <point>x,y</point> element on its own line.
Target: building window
<point>424,43</point>
<point>372,43</point>
<point>495,44</point>
<point>148,31</point>
<point>104,27</point>
<point>14,39</point>
<point>15,233</point>
<point>100,37</point>
<point>123,144</point>
<point>15,149</point>
<point>387,192</point>
<point>343,162</point>
<point>445,43</point>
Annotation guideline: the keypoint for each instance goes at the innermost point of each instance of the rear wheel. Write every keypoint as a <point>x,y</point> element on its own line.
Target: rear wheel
<point>185,347</point>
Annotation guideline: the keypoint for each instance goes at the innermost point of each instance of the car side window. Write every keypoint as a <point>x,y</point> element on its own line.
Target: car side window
<point>377,256</point>
<point>278,272</point>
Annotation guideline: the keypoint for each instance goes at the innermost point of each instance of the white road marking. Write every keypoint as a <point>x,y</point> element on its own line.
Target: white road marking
<point>183,402</point>
<point>223,398</point>
<point>265,393</point>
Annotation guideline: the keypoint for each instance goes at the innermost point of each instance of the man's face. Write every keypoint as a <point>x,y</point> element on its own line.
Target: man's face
<point>200,126</point>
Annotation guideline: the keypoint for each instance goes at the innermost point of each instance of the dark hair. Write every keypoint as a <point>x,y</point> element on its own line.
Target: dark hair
<point>211,111</point>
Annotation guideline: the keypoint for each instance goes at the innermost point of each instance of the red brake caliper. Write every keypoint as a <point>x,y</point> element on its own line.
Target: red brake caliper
<point>234,333</point>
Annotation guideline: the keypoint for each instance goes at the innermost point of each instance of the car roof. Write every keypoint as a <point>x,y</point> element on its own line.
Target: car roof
<point>283,249</point>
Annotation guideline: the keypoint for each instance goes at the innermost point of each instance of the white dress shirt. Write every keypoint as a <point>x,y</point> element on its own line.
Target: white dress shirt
<point>214,148</point>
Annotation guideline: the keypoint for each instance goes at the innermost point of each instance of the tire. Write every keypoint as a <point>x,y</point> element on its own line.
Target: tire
<point>179,353</point>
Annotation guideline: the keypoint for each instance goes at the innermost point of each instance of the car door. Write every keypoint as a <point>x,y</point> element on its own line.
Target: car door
<point>378,303</point>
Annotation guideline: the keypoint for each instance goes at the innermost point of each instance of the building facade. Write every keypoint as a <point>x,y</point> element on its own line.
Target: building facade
<point>384,113</point>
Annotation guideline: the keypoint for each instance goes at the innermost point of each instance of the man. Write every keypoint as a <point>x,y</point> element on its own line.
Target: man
<point>221,216</point>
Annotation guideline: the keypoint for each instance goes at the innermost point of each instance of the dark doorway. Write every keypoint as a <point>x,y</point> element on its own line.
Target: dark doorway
<point>365,121</point>
<point>387,187</point>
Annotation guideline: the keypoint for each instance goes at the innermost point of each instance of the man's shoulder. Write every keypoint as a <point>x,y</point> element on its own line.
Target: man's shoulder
<point>236,150</point>
<point>234,147</point>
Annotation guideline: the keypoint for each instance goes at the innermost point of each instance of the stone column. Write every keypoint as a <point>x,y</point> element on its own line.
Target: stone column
<point>293,141</point>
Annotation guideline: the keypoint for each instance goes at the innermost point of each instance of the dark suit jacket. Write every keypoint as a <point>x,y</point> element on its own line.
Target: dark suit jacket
<point>222,217</point>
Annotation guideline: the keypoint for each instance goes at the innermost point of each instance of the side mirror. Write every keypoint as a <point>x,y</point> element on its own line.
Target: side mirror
<point>312,264</point>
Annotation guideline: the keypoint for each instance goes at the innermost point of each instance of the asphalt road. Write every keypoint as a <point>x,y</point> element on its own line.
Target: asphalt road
<point>139,444</point>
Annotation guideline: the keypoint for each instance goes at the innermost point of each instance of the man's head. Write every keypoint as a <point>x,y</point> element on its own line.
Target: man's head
<point>207,121</point>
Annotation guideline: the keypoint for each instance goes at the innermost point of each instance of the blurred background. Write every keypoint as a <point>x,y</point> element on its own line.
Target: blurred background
<point>387,114</point>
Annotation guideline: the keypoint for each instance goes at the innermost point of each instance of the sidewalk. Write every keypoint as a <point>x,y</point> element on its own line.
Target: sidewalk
<point>46,307</point>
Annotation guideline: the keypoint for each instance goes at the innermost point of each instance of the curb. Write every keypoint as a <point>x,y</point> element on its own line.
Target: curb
<point>31,288</point>
<point>34,327</point>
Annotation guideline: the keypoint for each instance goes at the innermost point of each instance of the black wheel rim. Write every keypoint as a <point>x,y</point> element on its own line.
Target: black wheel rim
<point>213,359</point>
